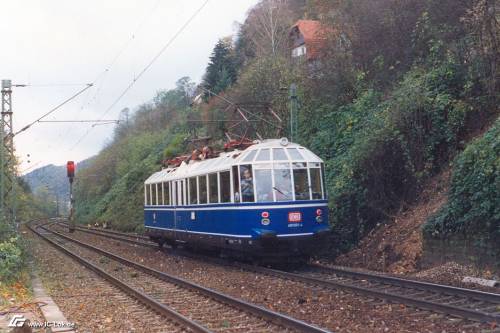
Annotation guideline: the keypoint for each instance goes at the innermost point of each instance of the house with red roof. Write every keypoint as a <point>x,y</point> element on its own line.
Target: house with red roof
<point>307,39</point>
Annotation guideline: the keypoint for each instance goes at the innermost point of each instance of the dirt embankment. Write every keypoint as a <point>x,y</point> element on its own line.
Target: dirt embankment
<point>396,247</point>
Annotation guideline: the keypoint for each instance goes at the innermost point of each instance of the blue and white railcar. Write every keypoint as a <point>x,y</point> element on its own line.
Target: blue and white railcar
<point>268,200</point>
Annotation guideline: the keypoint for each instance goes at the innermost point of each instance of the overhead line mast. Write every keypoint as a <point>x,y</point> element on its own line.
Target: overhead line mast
<point>7,188</point>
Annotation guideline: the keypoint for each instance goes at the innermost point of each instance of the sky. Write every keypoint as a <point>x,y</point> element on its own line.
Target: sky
<point>57,46</point>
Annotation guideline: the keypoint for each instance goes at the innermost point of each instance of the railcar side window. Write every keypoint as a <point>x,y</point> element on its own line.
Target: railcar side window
<point>161,193</point>
<point>279,154</point>
<point>301,183</point>
<point>147,189</point>
<point>264,185</point>
<point>325,194</point>
<point>246,180</point>
<point>316,183</point>
<point>193,191</point>
<point>181,192</point>
<point>166,194</point>
<point>236,184</point>
<point>225,186</point>
<point>202,181</point>
<point>283,183</point>
<point>213,188</point>
<point>264,155</point>
<point>250,156</point>
<point>173,189</point>
<point>153,195</point>
<point>295,155</point>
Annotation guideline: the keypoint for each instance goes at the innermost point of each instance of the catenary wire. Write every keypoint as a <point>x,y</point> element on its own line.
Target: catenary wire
<point>146,68</point>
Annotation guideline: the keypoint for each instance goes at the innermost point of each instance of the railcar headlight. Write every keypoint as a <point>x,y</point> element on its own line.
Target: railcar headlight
<point>265,221</point>
<point>319,219</point>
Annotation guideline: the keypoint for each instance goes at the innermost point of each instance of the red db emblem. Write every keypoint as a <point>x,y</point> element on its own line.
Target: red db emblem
<point>294,217</point>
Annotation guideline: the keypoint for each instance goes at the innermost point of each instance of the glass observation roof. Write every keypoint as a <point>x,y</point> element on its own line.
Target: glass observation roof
<point>263,152</point>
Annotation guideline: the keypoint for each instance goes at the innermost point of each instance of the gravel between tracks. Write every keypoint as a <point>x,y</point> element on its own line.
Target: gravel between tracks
<point>335,310</point>
<point>87,300</point>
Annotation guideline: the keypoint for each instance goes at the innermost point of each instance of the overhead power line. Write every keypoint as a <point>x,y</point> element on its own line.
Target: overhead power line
<point>54,109</point>
<point>50,85</point>
<point>79,121</point>
<point>102,75</point>
<point>146,68</point>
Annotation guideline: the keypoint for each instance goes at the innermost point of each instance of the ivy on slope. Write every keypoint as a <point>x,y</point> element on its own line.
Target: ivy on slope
<point>379,149</point>
<point>474,198</point>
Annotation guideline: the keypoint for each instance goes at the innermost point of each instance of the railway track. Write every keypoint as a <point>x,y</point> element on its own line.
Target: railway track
<point>459,302</point>
<point>201,309</point>
<point>122,236</point>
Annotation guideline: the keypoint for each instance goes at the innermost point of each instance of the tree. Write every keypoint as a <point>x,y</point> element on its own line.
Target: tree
<point>221,71</point>
<point>267,27</point>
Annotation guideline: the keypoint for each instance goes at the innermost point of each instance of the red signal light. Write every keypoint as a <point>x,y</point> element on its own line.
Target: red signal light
<point>319,212</point>
<point>265,215</point>
<point>70,167</point>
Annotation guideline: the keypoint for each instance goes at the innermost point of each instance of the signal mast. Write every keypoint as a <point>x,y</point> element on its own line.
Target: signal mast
<point>70,168</point>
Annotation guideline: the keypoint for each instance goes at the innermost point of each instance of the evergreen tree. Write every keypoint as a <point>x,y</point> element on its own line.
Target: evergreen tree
<point>221,71</point>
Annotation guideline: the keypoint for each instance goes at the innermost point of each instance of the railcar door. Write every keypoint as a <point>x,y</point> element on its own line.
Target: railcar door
<point>173,196</point>
<point>180,197</point>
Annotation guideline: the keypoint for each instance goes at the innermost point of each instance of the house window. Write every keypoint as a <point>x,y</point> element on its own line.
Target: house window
<point>299,51</point>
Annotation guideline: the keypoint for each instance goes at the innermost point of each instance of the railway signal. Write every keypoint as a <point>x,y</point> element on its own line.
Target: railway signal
<point>70,168</point>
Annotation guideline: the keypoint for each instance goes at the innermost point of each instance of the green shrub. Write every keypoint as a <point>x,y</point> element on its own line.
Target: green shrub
<point>378,152</point>
<point>473,206</point>
<point>10,259</point>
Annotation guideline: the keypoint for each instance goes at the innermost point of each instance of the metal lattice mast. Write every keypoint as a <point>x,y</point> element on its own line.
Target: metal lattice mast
<point>7,154</point>
<point>294,120</point>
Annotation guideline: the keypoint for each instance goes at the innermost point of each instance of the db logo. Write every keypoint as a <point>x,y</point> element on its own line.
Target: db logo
<point>294,217</point>
<point>17,321</point>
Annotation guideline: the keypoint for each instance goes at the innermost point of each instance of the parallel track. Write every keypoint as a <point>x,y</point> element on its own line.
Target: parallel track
<point>204,309</point>
<point>460,302</point>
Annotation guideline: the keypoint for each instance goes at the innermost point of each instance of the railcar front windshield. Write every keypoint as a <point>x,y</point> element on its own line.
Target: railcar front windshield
<point>281,174</point>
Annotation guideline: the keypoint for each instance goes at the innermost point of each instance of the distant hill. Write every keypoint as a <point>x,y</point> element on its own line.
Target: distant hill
<point>52,179</point>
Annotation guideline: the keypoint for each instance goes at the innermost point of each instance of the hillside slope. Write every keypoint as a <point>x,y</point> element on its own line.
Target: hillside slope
<point>396,246</point>
<point>51,182</point>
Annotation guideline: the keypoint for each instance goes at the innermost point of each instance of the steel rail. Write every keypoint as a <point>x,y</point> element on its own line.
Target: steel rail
<point>142,297</point>
<point>376,293</point>
<point>408,283</point>
<point>273,316</point>
<point>373,292</point>
<point>118,236</point>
